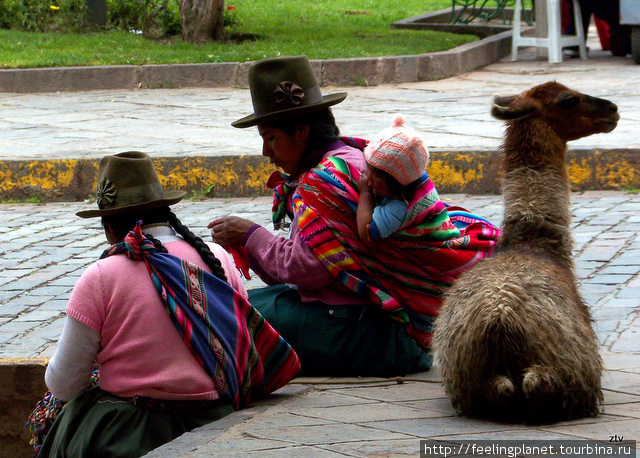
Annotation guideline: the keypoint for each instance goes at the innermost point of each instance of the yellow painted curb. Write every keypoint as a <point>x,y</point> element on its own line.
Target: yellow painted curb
<point>470,172</point>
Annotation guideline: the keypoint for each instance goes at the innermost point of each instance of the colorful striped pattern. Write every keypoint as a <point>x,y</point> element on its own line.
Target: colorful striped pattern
<point>282,194</point>
<point>45,413</point>
<point>243,354</point>
<point>407,273</point>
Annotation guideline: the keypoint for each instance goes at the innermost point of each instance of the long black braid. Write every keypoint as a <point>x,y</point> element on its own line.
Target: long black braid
<point>202,248</point>
<point>160,248</point>
<point>125,222</point>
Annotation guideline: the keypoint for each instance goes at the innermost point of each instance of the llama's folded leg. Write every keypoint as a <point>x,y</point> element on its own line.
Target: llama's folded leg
<point>544,393</point>
<point>501,388</point>
<point>539,382</point>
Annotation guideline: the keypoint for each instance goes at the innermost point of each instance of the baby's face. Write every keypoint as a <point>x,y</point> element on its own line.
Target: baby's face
<point>377,182</point>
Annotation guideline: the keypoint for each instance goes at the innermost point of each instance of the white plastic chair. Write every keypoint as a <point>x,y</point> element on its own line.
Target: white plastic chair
<point>555,40</point>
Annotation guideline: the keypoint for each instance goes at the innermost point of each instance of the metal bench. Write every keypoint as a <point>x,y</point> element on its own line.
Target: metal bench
<point>465,11</point>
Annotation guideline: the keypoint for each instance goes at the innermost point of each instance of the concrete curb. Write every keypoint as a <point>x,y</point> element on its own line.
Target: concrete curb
<point>471,171</point>
<point>22,387</point>
<point>331,72</point>
<point>462,171</point>
<point>199,437</point>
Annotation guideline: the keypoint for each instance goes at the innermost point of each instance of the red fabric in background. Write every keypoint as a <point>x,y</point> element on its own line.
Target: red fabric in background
<point>602,26</point>
<point>565,15</point>
<point>604,34</point>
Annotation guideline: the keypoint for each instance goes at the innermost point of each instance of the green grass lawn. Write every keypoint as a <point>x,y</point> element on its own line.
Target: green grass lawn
<point>321,29</point>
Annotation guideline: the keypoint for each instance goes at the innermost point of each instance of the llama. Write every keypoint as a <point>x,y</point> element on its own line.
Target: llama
<point>514,339</point>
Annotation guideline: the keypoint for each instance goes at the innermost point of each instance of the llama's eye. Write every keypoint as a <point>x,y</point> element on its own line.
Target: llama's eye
<point>568,101</point>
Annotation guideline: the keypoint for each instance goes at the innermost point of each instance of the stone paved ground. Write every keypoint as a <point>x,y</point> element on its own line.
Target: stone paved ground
<point>44,248</point>
<point>452,113</point>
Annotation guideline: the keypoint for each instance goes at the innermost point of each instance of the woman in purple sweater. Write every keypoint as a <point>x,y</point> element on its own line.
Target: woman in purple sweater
<point>345,305</point>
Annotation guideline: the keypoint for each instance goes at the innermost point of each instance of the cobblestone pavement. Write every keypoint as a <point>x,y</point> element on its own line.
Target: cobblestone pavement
<point>44,248</point>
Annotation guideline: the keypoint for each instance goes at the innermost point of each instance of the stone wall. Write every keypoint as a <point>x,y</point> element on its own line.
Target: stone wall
<point>21,387</point>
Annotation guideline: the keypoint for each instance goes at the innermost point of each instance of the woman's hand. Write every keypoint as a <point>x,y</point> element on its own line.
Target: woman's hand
<point>229,230</point>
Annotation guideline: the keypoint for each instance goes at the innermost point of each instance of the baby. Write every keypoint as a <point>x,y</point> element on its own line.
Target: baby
<point>396,160</point>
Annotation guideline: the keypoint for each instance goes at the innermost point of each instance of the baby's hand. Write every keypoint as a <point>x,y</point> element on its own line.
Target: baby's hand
<point>363,182</point>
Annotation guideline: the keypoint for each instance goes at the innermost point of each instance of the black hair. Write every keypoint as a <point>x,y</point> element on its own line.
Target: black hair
<point>122,223</point>
<point>322,131</point>
<point>202,248</point>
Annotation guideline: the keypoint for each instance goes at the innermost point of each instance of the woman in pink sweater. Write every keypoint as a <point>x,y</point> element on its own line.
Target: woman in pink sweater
<point>152,387</point>
<point>347,306</point>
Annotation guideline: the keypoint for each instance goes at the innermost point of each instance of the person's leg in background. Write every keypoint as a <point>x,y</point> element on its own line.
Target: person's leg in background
<point>613,36</point>
<point>569,26</point>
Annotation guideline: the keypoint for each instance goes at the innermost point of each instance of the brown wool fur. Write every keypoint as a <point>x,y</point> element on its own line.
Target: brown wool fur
<point>514,339</point>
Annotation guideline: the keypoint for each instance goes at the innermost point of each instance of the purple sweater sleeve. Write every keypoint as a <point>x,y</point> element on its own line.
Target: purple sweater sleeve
<point>280,260</point>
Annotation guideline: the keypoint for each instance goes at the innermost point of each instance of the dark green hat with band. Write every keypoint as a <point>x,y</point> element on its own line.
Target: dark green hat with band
<point>127,182</point>
<point>283,87</point>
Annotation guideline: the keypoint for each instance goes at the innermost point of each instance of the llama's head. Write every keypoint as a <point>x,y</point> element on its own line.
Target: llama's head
<point>570,114</point>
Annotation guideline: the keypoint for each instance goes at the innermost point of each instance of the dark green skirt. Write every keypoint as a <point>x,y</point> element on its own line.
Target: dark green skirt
<point>340,340</point>
<point>98,424</point>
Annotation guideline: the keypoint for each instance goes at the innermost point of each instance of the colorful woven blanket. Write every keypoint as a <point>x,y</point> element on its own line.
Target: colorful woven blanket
<point>243,354</point>
<point>407,273</point>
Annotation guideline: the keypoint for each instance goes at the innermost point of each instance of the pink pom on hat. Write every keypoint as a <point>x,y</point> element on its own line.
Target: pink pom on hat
<point>399,151</point>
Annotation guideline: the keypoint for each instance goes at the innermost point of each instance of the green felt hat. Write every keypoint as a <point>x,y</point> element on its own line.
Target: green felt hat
<point>283,87</point>
<point>126,182</point>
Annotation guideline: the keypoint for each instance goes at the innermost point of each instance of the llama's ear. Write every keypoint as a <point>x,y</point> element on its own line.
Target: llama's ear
<point>510,108</point>
<point>503,100</point>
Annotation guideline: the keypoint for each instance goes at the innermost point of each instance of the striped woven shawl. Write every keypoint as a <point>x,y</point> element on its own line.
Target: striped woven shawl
<point>407,273</point>
<point>241,352</point>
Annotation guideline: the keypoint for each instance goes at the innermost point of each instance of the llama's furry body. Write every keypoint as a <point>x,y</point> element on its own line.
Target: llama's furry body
<point>520,351</point>
<point>514,339</point>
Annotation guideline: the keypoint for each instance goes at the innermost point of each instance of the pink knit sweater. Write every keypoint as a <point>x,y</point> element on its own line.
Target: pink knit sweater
<point>141,353</point>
